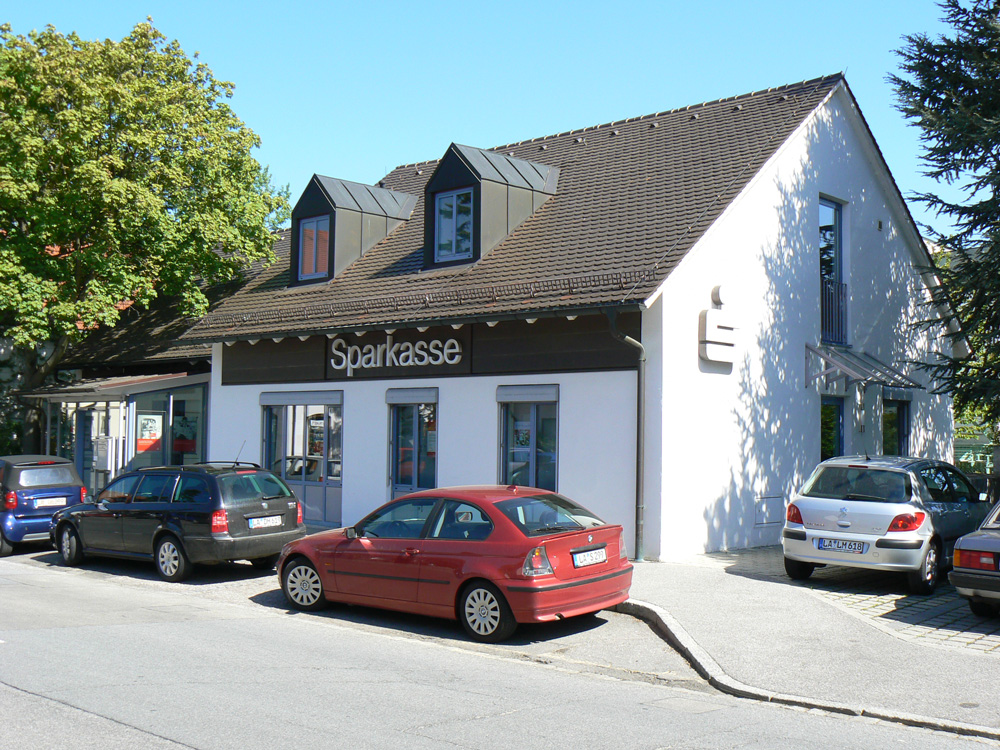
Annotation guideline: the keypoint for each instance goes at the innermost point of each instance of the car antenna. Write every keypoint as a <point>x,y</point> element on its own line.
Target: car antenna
<point>237,459</point>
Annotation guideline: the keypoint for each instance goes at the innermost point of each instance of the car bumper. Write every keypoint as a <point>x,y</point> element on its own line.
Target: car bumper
<point>550,599</point>
<point>222,549</point>
<point>898,552</point>
<point>26,528</point>
<point>976,585</point>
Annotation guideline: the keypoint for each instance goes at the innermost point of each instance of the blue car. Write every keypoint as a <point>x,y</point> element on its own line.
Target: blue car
<point>32,488</point>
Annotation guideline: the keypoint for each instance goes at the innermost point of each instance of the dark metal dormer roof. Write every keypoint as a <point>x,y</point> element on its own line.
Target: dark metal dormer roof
<point>356,196</point>
<point>496,167</point>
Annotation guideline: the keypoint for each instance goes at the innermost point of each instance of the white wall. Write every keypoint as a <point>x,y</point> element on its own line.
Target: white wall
<point>596,434</point>
<point>736,441</point>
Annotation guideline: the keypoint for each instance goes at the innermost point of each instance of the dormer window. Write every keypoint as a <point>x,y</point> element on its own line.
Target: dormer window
<point>453,227</point>
<point>314,247</point>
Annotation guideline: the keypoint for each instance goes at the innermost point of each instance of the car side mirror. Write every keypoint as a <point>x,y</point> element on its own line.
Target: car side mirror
<point>351,533</point>
<point>983,497</point>
<point>90,499</point>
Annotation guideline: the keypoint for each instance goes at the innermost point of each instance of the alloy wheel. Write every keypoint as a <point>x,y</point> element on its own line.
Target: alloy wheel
<point>482,611</point>
<point>168,558</point>
<point>303,585</point>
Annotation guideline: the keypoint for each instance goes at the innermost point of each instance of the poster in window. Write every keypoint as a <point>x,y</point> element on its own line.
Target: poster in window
<point>149,431</point>
<point>522,435</point>
<point>185,434</point>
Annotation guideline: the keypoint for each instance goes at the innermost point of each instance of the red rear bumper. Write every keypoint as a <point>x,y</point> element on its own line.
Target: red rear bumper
<point>552,599</point>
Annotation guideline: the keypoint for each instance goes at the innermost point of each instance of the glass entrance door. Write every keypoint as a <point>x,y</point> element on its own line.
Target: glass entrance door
<point>414,448</point>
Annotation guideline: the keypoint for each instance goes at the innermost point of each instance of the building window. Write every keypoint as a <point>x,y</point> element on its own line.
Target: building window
<point>453,226</point>
<point>530,444</point>
<point>170,427</point>
<point>304,442</point>
<point>895,428</point>
<point>833,291</point>
<point>414,447</point>
<point>831,428</point>
<point>314,247</point>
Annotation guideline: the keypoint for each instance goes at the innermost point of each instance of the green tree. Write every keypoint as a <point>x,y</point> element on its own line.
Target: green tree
<point>124,175</point>
<point>949,89</point>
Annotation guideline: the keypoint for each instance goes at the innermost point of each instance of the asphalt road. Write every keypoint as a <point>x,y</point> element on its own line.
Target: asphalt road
<point>109,656</point>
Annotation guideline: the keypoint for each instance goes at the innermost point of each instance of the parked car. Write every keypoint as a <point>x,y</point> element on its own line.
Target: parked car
<point>490,557</point>
<point>33,488</point>
<point>976,575</point>
<point>889,513</point>
<point>181,515</point>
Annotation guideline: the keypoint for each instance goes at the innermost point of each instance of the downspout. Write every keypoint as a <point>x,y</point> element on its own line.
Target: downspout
<point>640,430</point>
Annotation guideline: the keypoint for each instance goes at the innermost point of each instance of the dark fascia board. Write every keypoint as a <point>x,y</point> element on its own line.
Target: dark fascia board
<point>601,309</point>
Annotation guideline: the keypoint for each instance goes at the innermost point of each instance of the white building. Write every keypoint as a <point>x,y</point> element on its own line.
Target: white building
<point>477,319</point>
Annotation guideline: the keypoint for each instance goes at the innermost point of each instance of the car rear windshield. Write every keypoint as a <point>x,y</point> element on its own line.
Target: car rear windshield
<point>252,485</point>
<point>46,476</point>
<point>858,483</point>
<point>535,515</point>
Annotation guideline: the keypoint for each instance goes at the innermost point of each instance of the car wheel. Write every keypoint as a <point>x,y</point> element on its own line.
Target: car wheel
<point>485,614</point>
<point>69,546</point>
<point>264,563</point>
<point>798,570</point>
<point>924,580</point>
<point>171,562</point>
<point>302,585</point>
<point>982,609</point>
<point>6,547</point>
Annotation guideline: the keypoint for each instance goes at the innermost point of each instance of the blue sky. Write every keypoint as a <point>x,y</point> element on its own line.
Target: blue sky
<point>354,89</point>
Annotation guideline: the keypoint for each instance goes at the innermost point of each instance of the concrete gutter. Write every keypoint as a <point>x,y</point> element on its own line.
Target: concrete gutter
<point>671,631</point>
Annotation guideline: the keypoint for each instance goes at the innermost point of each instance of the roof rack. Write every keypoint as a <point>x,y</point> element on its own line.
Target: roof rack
<point>201,466</point>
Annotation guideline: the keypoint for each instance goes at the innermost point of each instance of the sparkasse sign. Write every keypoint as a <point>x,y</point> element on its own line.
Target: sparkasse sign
<point>404,353</point>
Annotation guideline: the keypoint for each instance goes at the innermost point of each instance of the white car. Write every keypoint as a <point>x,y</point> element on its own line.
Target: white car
<point>890,513</point>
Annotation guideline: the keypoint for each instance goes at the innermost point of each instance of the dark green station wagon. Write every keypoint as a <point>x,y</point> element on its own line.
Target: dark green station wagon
<point>181,515</point>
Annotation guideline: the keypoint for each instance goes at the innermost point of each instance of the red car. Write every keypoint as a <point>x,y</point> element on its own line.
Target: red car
<point>490,557</point>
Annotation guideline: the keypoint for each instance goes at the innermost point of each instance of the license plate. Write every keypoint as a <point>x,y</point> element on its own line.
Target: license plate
<point>263,522</point>
<point>50,502</point>
<point>590,557</point>
<point>841,545</point>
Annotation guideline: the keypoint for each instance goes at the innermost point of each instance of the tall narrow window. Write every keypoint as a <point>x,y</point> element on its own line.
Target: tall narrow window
<point>895,428</point>
<point>314,247</point>
<point>831,428</point>
<point>530,444</point>
<point>453,226</point>
<point>414,447</point>
<point>833,291</point>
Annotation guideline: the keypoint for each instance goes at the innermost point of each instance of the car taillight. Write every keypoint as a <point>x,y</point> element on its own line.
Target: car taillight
<point>969,558</point>
<point>83,494</point>
<point>907,522</point>
<point>298,514</point>
<point>792,515</point>
<point>220,521</point>
<point>10,500</point>
<point>537,563</point>
<point>622,552</point>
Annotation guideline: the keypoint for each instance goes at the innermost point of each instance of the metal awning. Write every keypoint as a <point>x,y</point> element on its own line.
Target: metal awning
<point>102,390</point>
<point>855,366</point>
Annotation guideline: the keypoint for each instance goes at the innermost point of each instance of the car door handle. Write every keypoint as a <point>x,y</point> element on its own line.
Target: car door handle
<point>410,551</point>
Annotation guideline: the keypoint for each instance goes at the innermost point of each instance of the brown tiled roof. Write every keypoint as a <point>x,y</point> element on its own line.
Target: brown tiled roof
<point>633,197</point>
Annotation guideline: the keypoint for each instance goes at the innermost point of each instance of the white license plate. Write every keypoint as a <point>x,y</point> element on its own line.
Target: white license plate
<point>590,557</point>
<point>264,522</point>
<point>50,502</point>
<point>841,545</point>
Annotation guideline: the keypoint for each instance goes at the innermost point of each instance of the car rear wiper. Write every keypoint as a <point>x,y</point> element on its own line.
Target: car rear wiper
<point>856,496</point>
<point>558,527</point>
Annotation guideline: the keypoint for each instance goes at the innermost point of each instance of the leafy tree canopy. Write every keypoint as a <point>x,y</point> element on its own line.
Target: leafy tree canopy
<point>949,89</point>
<point>124,175</point>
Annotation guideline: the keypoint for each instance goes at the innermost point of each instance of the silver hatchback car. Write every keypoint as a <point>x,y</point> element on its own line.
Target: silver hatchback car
<point>888,513</point>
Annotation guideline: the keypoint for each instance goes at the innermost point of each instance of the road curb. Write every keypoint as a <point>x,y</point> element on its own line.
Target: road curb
<point>673,633</point>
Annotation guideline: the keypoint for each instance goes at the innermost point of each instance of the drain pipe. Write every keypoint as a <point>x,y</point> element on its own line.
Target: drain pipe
<point>640,430</point>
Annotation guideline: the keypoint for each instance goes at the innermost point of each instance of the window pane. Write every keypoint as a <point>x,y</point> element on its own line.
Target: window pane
<point>427,467</point>
<point>461,521</point>
<point>192,490</point>
<point>403,440</point>
<point>153,488</point>
<point>463,225</point>
<point>295,417</point>
<point>545,450</point>
<point>307,250</point>
<point>403,520</point>
<point>890,429</point>
<point>334,442</point>
<point>831,429</point>
<point>829,241</point>
<point>322,245</point>
<point>187,426</point>
<point>119,490</point>
<point>445,235</point>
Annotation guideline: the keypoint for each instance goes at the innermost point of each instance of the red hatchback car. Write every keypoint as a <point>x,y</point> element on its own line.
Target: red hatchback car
<point>490,557</point>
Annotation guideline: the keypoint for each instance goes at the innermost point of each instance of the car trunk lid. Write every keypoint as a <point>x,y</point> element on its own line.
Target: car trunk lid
<point>849,516</point>
<point>256,503</point>
<point>583,553</point>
